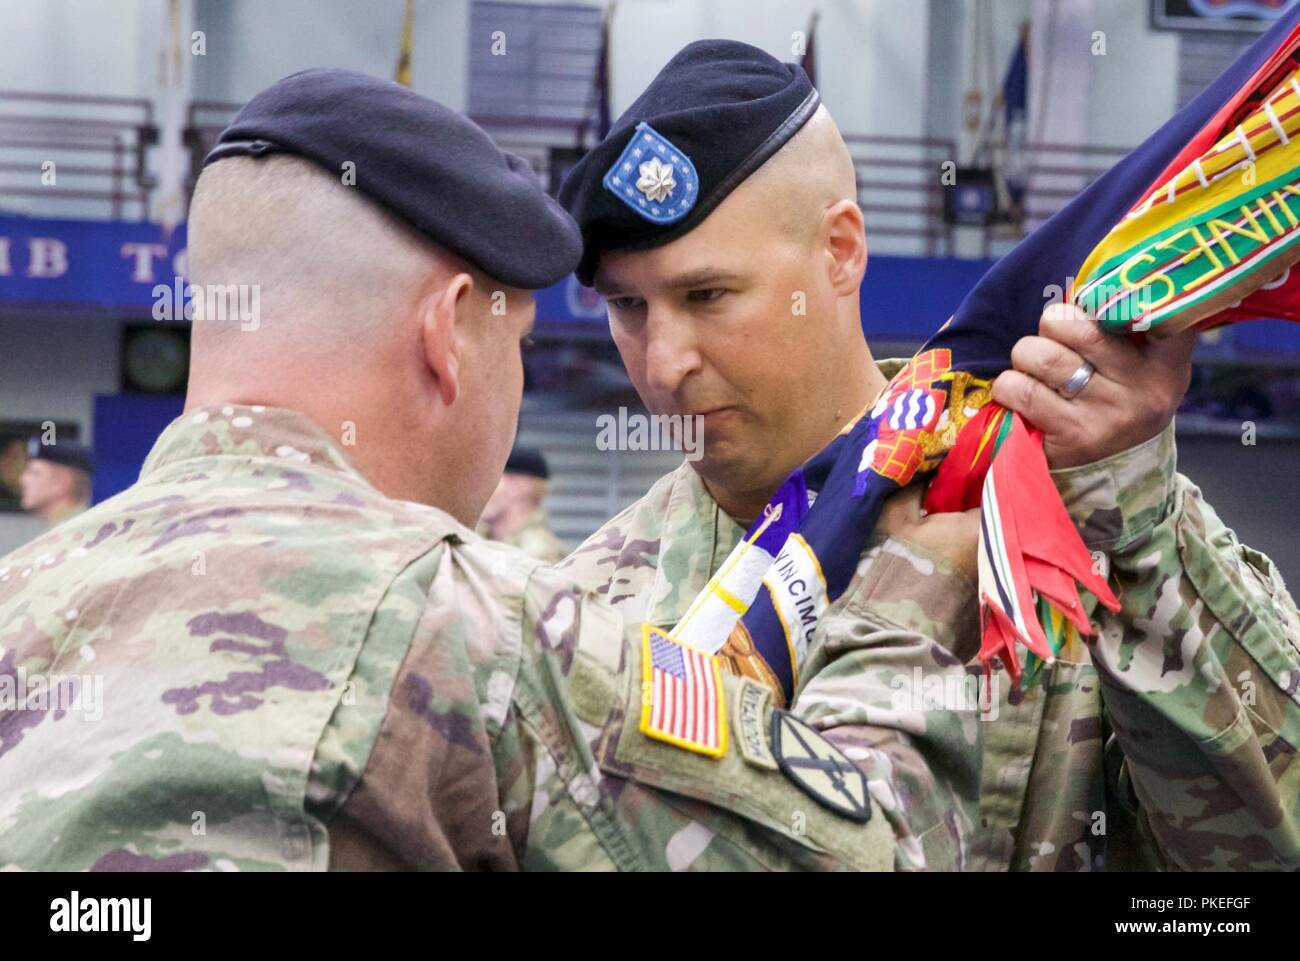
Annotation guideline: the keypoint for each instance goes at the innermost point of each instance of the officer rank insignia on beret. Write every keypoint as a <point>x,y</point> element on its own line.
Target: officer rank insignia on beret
<point>653,177</point>
<point>711,117</point>
<point>819,768</point>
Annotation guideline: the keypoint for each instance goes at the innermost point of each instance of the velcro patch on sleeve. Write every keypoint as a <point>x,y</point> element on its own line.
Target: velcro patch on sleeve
<point>751,707</point>
<point>819,768</point>
<point>682,698</point>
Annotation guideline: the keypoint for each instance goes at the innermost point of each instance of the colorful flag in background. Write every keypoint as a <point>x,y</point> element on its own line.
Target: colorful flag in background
<point>174,92</point>
<point>1015,106</point>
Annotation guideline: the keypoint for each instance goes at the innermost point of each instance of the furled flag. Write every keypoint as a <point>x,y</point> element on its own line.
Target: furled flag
<point>403,75</point>
<point>1196,227</point>
<point>174,62</point>
<point>602,76</point>
<point>1015,105</point>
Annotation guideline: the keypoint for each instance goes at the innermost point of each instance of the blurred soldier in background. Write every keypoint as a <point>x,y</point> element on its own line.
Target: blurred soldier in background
<point>56,480</point>
<point>13,461</point>
<point>516,512</point>
<point>304,656</point>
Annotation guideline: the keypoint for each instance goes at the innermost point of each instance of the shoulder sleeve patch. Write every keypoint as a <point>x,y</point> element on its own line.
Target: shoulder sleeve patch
<point>819,768</point>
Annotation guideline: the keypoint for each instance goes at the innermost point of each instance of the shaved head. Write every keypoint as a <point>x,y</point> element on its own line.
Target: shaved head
<point>398,348</point>
<point>317,250</point>
<point>809,174</point>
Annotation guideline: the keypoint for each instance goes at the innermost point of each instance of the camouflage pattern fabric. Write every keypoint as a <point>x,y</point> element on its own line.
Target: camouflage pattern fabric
<point>1166,745</point>
<point>251,659</point>
<point>1168,742</point>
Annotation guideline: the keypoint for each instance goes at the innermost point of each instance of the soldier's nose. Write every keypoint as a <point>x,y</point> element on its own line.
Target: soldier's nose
<point>670,358</point>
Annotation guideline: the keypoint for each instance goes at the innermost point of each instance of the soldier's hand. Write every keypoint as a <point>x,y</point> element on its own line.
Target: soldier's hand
<point>1130,396</point>
<point>953,536</point>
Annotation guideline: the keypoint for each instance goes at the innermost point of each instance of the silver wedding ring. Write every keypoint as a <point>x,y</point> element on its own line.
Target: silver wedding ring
<point>1073,387</point>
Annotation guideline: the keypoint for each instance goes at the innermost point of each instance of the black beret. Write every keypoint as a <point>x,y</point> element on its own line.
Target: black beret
<point>431,166</point>
<point>712,116</point>
<point>528,460</point>
<point>65,452</point>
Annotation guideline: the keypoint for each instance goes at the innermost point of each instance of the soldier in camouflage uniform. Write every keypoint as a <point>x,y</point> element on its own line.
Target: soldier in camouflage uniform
<point>536,539</point>
<point>272,653</point>
<point>1168,741</point>
<point>56,482</point>
<point>516,512</point>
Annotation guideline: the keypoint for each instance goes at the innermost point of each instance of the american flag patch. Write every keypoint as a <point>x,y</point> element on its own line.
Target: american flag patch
<point>682,700</point>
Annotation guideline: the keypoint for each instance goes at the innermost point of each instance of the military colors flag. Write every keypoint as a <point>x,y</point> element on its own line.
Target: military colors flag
<point>1225,214</point>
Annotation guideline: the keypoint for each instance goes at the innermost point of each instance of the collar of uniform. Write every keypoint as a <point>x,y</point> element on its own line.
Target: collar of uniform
<point>695,537</point>
<point>891,366</point>
<point>247,431</point>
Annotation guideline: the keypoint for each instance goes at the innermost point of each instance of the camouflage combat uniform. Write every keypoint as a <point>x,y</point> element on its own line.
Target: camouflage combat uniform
<point>1168,742</point>
<point>1202,616</point>
<point>300,673</point>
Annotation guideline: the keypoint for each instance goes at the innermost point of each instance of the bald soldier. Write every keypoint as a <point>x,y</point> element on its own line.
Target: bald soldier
<point>721,224</point>
<point>285,648</point>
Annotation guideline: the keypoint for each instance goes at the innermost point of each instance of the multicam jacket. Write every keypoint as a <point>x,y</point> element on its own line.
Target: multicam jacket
<point>252,659</point>
<point>1166,743</point>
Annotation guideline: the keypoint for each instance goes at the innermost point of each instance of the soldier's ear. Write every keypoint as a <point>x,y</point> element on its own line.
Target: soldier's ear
<point>845,238</point>
<point>442,312</point>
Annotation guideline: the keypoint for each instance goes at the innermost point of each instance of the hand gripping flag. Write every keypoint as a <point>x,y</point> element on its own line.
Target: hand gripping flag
<point>1196,227</point>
